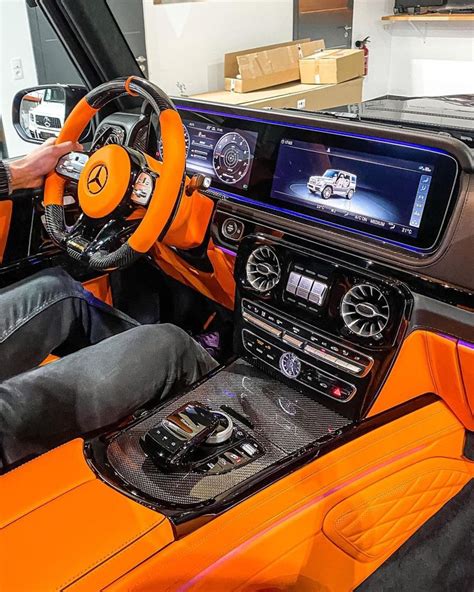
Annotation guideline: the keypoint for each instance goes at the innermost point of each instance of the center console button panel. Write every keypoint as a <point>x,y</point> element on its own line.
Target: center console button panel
<point>327,327</point>
<point>306,339</point>
<point>293,367</point>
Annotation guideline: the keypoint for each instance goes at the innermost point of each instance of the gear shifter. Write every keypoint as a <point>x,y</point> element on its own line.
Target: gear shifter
<point>171,442</point>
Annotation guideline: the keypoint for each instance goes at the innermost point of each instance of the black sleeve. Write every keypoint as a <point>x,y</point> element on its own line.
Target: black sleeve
<point>4,186</point>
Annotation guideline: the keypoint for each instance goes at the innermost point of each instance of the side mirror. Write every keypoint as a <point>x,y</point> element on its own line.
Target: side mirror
<point>39,113</point>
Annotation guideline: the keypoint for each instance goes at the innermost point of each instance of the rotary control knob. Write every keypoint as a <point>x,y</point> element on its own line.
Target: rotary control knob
<point>290,365</point>
<point>224,429</point>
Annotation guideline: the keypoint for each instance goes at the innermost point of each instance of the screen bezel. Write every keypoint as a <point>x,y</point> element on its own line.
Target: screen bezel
<point>270,135</point>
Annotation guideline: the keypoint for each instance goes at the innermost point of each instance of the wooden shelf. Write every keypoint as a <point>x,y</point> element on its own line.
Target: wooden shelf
<point>428,18</point>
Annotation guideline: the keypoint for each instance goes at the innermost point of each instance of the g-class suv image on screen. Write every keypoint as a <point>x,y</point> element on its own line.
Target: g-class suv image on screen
<point>333,182</point>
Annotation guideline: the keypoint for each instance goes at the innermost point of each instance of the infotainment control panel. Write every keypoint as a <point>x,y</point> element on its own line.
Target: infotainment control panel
<point>317,324</point>
<point>397,191</point>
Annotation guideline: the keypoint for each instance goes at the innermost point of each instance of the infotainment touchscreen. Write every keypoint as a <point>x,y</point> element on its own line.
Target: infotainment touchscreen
<point>374,190</point>
<point>226,155</point>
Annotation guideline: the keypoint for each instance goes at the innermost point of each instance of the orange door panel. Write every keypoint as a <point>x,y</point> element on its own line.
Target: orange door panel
<point>6,208</point>
<point>282,538</point>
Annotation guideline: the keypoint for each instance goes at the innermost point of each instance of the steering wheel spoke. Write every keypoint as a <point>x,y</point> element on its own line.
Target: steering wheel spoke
<point>88,240</point>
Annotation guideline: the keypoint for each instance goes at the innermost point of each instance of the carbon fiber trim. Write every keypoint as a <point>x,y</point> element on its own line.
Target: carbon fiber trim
<point>284,420</point>
<point>54,223</point>
<point>122,257</point>
<point>103,94</point>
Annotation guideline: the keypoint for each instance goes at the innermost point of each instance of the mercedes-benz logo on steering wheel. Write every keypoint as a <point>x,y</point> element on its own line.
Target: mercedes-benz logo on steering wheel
<point>97,179</point>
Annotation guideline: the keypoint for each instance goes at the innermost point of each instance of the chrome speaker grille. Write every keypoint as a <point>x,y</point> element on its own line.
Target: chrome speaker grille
<point>263,269</point>
<point>365,310</point>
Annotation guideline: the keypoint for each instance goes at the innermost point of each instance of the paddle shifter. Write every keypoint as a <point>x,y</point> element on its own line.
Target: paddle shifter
<point>196,437</point>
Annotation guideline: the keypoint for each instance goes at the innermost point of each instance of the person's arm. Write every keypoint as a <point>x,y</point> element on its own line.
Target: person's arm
<point>29,171</point>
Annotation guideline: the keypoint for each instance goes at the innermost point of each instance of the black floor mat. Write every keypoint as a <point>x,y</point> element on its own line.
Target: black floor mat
<point>439,557</point>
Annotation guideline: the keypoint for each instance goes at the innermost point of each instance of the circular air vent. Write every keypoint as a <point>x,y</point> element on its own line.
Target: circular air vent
<point>263,269</point>
<point>365,310</point>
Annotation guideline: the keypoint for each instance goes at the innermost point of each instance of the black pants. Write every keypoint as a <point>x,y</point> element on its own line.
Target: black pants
<point>123,366</point>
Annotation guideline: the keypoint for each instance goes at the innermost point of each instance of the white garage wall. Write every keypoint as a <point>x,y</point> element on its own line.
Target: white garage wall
<point>186,42</point>
<point>433,59</point>
<point>414,59</point>
<point>15,42</point>
<point>366,22</point>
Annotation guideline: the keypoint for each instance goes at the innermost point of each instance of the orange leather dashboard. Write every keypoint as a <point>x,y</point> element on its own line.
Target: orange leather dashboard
<point>218,285</point>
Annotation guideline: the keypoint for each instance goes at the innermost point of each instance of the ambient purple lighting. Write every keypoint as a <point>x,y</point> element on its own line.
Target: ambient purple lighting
<point>448,337</point>
<point>227,251</point>
<point>466,344</point>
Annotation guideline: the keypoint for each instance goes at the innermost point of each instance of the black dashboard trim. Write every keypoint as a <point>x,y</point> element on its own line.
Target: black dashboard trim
<point>418,283</point>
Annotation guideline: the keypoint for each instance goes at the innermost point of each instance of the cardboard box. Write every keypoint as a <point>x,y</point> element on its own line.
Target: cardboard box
<point>292,96</point>
<point>262,67</point>
<point>332,66</point>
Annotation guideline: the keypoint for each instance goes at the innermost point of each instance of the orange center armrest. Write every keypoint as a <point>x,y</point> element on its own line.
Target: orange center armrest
<point>63,528</point>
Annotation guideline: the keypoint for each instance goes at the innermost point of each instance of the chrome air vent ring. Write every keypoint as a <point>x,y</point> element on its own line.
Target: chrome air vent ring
<point>365,310</point>
<point>263,269</point>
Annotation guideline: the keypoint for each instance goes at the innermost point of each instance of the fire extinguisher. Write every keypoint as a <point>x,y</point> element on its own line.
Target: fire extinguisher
<point>363,46</point>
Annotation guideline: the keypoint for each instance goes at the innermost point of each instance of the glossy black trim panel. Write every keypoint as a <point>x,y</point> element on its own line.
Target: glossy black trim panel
<point>306,236</point>
<point>439,317</point>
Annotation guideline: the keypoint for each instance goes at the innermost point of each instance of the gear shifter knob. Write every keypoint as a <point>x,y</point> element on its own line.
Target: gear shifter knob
<point>170,443</point>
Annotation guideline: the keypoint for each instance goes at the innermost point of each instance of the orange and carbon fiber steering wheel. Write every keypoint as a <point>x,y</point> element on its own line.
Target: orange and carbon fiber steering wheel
<point>114,181</point>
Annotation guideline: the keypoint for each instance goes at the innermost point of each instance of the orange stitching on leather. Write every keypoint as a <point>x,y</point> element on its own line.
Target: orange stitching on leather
<point>127,87</point>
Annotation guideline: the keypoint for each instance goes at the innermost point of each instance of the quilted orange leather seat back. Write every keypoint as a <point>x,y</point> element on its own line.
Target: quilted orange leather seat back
<point>380,517</point>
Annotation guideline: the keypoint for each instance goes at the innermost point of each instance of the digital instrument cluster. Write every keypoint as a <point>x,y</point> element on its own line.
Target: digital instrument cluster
<point>224,154</point>
<point>109,134</point>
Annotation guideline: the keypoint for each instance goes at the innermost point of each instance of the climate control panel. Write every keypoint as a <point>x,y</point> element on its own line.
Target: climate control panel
<point>321,326</point>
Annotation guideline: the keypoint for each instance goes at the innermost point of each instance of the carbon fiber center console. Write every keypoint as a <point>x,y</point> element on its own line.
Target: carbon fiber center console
<point>278,421</point>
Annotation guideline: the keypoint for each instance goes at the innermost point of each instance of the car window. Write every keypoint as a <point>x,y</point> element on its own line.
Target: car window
<point>54,95</point>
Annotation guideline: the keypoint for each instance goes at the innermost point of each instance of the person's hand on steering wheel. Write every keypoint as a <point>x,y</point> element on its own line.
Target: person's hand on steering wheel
<point>114,181</point>
<point>30,171</point>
